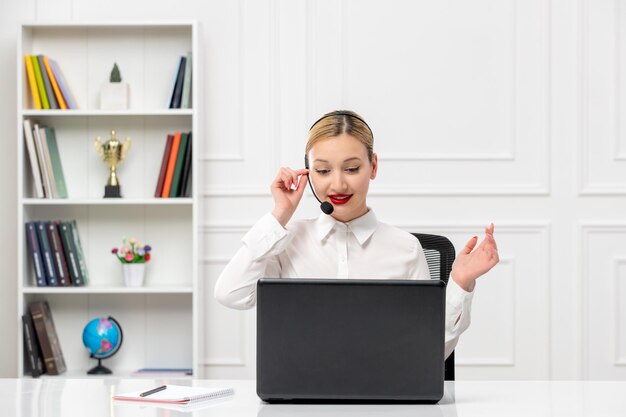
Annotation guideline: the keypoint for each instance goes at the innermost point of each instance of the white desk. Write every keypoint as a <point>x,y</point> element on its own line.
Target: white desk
<point>92,398</point>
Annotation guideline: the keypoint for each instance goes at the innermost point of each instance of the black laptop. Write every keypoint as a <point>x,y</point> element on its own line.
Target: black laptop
<point>348,340</point>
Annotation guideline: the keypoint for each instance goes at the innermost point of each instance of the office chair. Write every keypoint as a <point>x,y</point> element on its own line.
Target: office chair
<point>440,255</point>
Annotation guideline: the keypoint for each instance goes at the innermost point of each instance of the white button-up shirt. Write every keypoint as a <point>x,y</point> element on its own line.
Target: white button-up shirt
<point>326,248</point>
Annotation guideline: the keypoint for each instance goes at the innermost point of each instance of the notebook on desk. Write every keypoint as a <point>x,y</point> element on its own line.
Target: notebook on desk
<point>176,394</point>
<point>336,340</point>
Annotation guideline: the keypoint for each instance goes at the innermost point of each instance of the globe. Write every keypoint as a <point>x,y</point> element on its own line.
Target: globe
<point>102,337</point>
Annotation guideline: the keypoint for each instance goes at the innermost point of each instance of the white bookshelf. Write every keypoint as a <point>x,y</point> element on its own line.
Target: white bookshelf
<point>160,319</point>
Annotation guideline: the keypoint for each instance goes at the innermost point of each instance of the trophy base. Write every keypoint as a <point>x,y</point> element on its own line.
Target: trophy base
<point>112,191</point>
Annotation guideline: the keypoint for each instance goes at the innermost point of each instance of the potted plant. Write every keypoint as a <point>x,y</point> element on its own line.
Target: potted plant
<point>114,94</point>
<point>133,257</point>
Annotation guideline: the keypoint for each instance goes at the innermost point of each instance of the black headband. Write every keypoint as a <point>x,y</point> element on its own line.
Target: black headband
<point>342,113</point>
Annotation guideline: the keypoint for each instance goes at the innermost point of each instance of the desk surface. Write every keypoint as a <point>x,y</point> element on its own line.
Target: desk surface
<point>92,397</point>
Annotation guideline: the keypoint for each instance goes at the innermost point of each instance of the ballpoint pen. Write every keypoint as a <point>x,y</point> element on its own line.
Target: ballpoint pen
<point>152,391</point>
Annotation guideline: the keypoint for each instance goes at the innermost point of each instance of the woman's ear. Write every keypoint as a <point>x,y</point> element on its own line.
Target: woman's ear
<point>374,166</point>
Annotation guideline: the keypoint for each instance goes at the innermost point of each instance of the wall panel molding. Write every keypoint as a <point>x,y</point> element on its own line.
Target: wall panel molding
<point>602,256</point>
<point>601,159</point>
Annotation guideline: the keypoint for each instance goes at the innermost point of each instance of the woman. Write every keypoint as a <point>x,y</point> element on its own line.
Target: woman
<point>349,243</point>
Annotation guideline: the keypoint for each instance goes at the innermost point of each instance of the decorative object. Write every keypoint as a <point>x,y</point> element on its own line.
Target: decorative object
<point>133,257</point>
<point>102,337</point>
<point>114,94</point>
<point>112,152</point>
<point>134,274</point>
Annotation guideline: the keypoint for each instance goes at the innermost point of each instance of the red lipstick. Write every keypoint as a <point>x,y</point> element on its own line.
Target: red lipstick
<point>339,199</point>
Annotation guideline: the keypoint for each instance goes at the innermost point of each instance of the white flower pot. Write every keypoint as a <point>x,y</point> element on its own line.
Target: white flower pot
<point>114,96</point>
<point>134,274</point>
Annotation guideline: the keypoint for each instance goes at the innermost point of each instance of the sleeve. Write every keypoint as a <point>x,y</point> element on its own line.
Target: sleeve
<point>257,258</point>
<point>458,301</point>
<point>458,306</point>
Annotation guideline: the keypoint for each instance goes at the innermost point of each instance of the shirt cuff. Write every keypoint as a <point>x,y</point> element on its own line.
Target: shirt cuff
<point>457,299</point>
<point>267,237</point>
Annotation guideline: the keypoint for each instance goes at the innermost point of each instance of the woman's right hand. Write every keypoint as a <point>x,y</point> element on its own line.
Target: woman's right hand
<point>287,189</point>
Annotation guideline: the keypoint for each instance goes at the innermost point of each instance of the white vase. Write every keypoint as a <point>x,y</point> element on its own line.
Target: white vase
<point>134,274</point>
<point>114,96</point>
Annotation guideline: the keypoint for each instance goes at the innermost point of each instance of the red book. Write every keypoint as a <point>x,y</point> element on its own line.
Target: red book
<point>164,162</point>
<point>167,185</point>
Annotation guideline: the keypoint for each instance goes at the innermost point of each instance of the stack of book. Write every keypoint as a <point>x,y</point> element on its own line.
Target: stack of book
<point>48,88</point>
<point>56,253</point>
<point>181,92</point>
<point>45,161</point>
<point>175,174</point>
<point>41,343</point>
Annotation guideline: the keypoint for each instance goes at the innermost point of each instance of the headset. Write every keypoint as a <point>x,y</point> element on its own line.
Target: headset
<point>325,206</point>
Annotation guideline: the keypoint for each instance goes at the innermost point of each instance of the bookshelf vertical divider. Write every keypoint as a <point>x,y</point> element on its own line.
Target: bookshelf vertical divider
<point>160,319</point>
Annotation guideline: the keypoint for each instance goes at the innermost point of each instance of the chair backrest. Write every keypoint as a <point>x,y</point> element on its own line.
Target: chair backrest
<point>440,255</point>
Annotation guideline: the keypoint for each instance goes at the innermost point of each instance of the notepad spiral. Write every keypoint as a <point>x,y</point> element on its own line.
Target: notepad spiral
<point>211,395</point>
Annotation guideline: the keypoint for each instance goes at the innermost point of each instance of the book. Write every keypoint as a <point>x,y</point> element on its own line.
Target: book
<point>63,86</point>
<point>47,84</point>
<point>164,161</point>
<point>177,394</point>
<point>32,82</point>
<point>40,87</point>
<point>55,161</point>
<point>32,157</point>
<point>35,253</point>
<point>54,193</point>
<point>55,85</point>
<point>47,188</point>
<point>47,336</point>
<point>189,186</point>
<point>185,101</point>
<point>178,168</point>
<point>82,263</point>
<point>171,164</point>
<point>178,86</point>
<point>71,253</point>
<point>32,351</point>
<point>186,170</point>
<point>58,255</point>
<point>163,372</point>
<point>46,254</point>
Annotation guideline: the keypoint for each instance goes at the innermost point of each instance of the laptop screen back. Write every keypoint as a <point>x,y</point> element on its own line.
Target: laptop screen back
<point>350,340</point>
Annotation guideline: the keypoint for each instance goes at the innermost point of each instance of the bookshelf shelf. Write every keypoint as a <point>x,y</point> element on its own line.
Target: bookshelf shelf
<point>97,113</point>
<point>109,202</point>
<point>125,374</point>
<point>161,319</point>
<point>109,290</point>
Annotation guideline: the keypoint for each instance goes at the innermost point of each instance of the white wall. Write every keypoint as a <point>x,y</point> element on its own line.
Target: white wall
<point>483,110</point>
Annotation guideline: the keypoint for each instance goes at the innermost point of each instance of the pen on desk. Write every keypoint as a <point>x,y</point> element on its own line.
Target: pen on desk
<point>152,391</point>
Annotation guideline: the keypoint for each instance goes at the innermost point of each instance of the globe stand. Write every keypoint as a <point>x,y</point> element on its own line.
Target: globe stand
<point>99,369</point>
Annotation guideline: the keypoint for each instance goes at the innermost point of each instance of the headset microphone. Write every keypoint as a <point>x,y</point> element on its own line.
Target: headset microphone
<point>325,206</point>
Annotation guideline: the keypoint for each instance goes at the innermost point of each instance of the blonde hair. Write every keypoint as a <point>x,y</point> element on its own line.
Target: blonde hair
<point>338,122</point>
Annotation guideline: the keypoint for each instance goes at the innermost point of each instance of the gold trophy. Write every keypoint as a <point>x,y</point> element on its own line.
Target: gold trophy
<point>112,152</point>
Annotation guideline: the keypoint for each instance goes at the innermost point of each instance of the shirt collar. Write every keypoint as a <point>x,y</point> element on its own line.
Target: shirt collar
<point>362,227</point>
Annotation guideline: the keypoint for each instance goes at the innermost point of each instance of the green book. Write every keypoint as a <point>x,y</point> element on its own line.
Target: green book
<point>178,169</point>
<point>52,101</point>
<point>40,86</point>
<point>71,254</point>
<point>82,263</point>
<point>55,160</point>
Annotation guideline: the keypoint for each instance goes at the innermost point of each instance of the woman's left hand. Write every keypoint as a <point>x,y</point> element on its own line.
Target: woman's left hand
<point>471,263</point>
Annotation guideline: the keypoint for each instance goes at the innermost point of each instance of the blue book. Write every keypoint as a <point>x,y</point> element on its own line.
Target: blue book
<point>35,253</point>
<point>69,100</point>
<point>46,254</point>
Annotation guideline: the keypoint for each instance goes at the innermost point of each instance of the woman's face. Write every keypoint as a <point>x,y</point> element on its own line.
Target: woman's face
<point>341,174</point>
